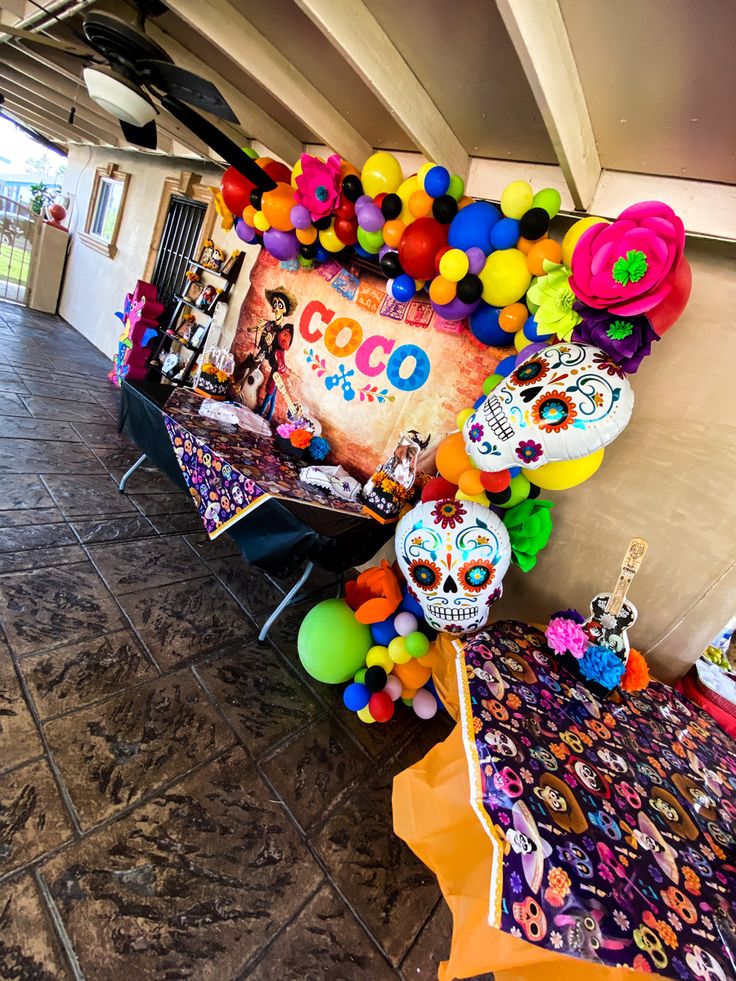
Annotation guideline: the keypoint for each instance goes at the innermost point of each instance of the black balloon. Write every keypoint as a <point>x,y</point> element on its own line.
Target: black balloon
<point>255,198</point>
<point>470,288</point>
<point>391,206</point>
<point>375,678</point>
<point>500,497</point>
<point>321,223</point>
<point>534,223</point>
<point>390,265</point>
<point>306,251</point>
<point>444,209</point>
<point>534,491</point>
<point>352,187</point>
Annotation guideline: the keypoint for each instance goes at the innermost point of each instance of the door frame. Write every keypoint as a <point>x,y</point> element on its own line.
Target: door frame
<point>189,185</point>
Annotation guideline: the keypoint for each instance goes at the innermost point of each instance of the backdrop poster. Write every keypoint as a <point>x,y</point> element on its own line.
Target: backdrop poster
<point>368,367</point>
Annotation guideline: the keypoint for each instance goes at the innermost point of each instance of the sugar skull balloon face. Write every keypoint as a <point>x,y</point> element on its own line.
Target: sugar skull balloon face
<point>454,555</point>
<point>564,402</point>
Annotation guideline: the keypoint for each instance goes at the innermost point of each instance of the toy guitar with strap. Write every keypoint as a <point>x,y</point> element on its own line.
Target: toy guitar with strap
<point>612,613</point>
<point>295,411</point>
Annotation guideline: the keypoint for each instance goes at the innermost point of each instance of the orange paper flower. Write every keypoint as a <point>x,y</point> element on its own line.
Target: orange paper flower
<point>636,675</point>
<point>300,438</point>
<point>374,595</point>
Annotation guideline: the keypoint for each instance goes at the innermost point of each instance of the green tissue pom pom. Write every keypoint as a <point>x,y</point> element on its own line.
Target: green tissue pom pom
<point>529,525</point>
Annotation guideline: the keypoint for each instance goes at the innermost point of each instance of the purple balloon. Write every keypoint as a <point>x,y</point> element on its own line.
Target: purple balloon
<point>383,250</point>
<point>476,259</point>
<point>455,309</point>
<point>370,218</point>
<point>244,231</point>
<point>531,349</point>
<point>281,245</point>
<point>362,201</point>
<point>300,217</point>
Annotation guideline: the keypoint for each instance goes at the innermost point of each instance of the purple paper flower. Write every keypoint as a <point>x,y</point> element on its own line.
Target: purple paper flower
<point>569,615</point>
<point>626,340</point>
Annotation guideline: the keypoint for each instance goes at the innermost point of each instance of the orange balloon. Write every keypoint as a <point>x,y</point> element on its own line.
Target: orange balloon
<point>276,205</point>
<point>470,483</point>
<point>347,168</point>
<point>513,317</point>
<point>546,249</point>
<point>249,215</point>
<point>464,202</point>
<point>452,460</point>
<point>525,244</point>
<point>411,674</point>
<point>420,204</point>
<point>442,290</point>
<point>392,232</point>
<point>306,235</point>
<point>264,161</point>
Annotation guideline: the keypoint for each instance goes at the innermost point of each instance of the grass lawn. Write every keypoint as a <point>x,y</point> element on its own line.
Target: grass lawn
<point>14,264</point>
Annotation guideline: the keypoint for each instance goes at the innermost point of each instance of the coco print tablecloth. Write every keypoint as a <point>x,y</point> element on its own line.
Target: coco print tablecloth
<point>614,825</point>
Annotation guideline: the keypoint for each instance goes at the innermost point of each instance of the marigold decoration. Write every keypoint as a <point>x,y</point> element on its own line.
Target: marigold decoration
<point>318,185</point>
<point>636,675</point>
<point>566,637</point>
<point>559,880</point>
<point>601,665</point>
<point>626,340</point>
<point>553,296</point>
<point>300,439</point>
<point>529,525</point>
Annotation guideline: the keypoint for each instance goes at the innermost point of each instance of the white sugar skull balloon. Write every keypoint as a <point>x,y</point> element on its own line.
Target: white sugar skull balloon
<point>564,402</point>
<point>454,555</point>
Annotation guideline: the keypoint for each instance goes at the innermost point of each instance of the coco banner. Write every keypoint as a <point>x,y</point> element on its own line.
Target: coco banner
<point>365,365</point>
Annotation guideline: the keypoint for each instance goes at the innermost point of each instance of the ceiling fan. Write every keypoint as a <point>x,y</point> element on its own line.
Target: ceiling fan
<point>138,71</point>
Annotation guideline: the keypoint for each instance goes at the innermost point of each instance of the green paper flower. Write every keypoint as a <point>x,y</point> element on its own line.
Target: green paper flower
<point>630,268</point>
<point>619,330</point>
<point>554,298</point>
<point>529,525</point>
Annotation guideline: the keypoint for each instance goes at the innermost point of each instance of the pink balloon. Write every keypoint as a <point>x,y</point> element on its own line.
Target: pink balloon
<point>393,687</point>
<point>424,704</point>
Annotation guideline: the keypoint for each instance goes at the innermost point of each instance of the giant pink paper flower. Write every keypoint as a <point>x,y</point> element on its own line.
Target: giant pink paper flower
<point>629,266</point>
<point>318,185</point>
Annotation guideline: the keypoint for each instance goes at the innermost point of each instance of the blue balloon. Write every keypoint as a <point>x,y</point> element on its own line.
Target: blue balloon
<point>404,288</point>
<point>514,471</point>
<point>472,226</point>
<point>505,233</point>
<point>479,401</point>
<point>484,326</point>
<point>320,253</point>
<point>356,697</point>
<point>384,632</point>
<point>410,605</point>
<point>531,331</point>
<point>436,181</point>
<point>506,366</point>
<point>359,250</point>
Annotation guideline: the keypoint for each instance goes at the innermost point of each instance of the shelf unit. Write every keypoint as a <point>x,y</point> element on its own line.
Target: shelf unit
<point>168,335</point>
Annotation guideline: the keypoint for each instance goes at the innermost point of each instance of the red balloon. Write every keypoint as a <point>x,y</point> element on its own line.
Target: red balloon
<point>236,191</point>
<point>664,315</point>
<point>419,245</point>
<point>439,256</point>
<point>346,230</point>
<point>346,209</point>
<point>279,172</point>
<point>381,706</point>
<point>495,482</point>
<point>438,489</point>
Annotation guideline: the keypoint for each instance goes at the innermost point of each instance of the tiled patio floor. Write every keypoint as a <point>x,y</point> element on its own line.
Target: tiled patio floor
<point>176,801</point>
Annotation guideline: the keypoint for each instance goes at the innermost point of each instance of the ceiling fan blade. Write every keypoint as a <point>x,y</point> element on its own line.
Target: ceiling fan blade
<point>46,41</point>
<point>143,136</point>
<point>218,142</point>
<point>187,87</point>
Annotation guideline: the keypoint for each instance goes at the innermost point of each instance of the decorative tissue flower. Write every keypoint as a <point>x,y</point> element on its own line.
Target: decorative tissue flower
<point>555,299</point>
<point>529,525</point>
<point>600,664</point>
<point>636,673</point>
<point>626,340</point>
<point>286,429</point>
<point>318,185</point>
<point>629,265</point>
<point>570,614</point>
<point>319,448</point>
<point>300,439</point>
<point>566,637</point>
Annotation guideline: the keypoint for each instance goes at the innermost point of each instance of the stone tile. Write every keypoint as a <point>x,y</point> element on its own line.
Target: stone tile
<point>29,948</point>
<point>85,496</point>
<point>37,456</point>
<point>181,622</point>
<point>262,699</point>
<point>431,946</point>
<point>102,434</point>
<point>219,548</point>
<point>324,941</point>
<point>56,390</point>
<point>120,458</point>
<point>21,492</point>
<point>189,885</point>
<point>36,536</point>
<point>10,381</point>
<point>124,528</point>
<point>25,517</point>
<point>249,585</point>
<point>129,566</point>
<point>78,674</point>
<point>30,428</point>
<point>176,524</point>
<point>39,610</point>
<point>113,753</point>
<point>12,405</point>
<point>174,502</point>
<point>41,558</point>
<point>315,770</point>
<point>32,817</point>
<point>71,411</point>
<point>148,480</point>
<point>19,739</point>
<point>381,878</point>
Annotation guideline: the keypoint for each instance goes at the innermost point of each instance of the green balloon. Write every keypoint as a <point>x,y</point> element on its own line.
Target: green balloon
<point>417,644</point>
<point>371,241</point>
<point>549,199</point>
<point>250,152</point>
<point>457,187</point>
<point>332,644</point>
<point>490,383</point>
<point>520,488</point>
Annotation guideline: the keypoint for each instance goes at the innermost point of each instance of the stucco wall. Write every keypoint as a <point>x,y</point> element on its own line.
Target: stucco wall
<point>95,285</point>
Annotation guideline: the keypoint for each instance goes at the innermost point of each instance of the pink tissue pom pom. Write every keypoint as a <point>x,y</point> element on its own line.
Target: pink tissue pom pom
<point>285,429</point>
<point>565,636</point>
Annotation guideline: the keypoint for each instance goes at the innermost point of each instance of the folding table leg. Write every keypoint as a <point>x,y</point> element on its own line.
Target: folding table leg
<point>286,601</point>
<point>128,473</point>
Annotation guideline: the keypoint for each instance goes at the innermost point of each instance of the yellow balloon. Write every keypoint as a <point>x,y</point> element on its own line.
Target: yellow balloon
<point>329,239</point>
<point>364,715</point>
<point>572,236</point>
<point>516,199</point>
<point>520,341</point>
<point>505,277</point>
<point>422,173</point>
<point>405,191</point>
<point>296,171</point>
<point>463,416</point>
<point>566,473</point>
<point>454,265</point>
<point>261,222</point>
<point>477,498</point>
<point>379,655</point>
<point>381,174</point>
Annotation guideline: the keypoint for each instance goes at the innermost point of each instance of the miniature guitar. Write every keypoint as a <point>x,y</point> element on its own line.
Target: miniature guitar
<point>611,613</point>
<point>295,411</point>
<point>248,388</point>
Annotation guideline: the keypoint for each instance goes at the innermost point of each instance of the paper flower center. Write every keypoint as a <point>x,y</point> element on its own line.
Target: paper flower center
<point>321,192</point>
<point>619,330</point>
<point>630,268</point>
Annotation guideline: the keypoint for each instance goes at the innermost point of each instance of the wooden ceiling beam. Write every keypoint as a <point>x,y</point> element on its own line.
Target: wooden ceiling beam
<point>44,124</point>
<point>57,114</point>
